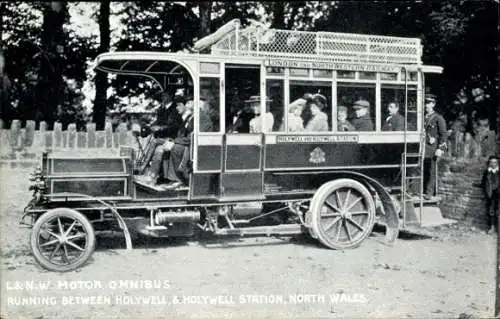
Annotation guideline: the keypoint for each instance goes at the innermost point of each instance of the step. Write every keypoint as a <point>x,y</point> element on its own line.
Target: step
<point>432,200</point>
<point>431,217</point>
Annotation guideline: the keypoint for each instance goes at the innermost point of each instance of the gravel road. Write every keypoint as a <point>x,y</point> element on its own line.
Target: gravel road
<point>258,277</point>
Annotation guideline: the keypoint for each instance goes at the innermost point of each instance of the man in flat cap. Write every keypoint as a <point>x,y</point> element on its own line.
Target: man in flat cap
<point>363,121</point>
<point>435,144</point>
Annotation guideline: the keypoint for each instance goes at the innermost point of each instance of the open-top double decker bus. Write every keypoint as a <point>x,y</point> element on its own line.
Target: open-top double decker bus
<point>334,184</point>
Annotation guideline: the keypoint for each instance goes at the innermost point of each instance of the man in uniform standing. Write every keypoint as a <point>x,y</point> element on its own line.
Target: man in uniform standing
<point>435,144</point>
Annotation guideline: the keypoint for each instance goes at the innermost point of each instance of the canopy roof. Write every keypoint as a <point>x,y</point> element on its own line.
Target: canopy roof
<point>138,63</point>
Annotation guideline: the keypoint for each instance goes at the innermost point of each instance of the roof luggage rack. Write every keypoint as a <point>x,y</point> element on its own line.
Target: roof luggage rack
<point>260,41</point>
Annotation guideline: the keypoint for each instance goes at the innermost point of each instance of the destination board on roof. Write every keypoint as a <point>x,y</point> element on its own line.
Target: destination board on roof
<point>317,138</point>
<point>331,66</point>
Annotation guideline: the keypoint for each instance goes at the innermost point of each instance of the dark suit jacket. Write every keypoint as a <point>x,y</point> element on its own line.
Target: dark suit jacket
<point>435,132</point>
<point>395,123</point>
<point>363,123</point>
<point>184,133</point>
<point>169,121</point>
<point>242,124</point>
<point>490,182</point>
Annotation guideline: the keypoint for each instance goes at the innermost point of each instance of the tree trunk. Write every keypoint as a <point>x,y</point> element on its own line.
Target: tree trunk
<point>101,79</point>
<point>50,87</point>
<point>2,12</point>
<point>205,8</point>
<point>278,8</point>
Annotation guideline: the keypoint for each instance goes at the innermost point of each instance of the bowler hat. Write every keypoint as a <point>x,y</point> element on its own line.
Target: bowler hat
<point>430,97</point>
<point>361,104</point>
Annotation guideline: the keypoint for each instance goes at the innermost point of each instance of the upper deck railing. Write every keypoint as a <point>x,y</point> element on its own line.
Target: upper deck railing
<point>260,41</point>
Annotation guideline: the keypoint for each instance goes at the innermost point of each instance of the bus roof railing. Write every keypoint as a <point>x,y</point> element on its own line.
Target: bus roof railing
<point>260,41</point>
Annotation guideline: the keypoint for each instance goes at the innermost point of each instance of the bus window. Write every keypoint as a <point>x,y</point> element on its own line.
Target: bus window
<point>209,105</point>
<point>393,108</point>
<point>358,100</point>
<point>312,120</point>
<point>242,89</point>
<point>275,92</point>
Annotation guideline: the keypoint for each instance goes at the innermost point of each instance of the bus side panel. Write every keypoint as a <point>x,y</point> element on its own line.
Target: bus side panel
<point>276,182</point>
<point>341,155</point>
<point>204,185</point>
<point>209,158</point>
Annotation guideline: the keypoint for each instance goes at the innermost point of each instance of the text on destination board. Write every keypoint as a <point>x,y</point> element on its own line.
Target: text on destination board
<point>317,139</point>
<point>331,66</point>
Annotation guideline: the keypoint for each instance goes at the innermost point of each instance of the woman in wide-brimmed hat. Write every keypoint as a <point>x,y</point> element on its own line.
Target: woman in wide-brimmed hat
<point>294,119</point>
<point>255,123</point>
<point>319,120</point>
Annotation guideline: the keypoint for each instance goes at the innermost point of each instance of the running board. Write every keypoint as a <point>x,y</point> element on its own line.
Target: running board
<point>290,229</point>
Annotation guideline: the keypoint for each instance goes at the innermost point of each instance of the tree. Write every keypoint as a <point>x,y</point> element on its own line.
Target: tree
<point>205,9</point>
<point>101,79</point>
<point>50,87</point>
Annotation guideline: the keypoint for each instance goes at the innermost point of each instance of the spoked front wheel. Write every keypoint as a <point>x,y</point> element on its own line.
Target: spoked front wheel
<point>62,239</point>
<point>343,214</point>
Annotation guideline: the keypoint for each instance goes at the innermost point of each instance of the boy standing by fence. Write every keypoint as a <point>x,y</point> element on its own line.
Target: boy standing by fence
<point>491,187</point>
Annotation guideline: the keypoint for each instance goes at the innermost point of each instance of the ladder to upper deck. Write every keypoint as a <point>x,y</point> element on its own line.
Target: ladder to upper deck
<point>417,211</point>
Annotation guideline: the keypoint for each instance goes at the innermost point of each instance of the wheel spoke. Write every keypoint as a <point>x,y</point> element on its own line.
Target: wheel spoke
<point>49,243</point>
<point>70,228</point>
<point>61,229</point>
<point>339,229</point>
<point>338,198</point>
<point>54,251</point>
<point>332,223</point>
<point>65,257</point>
<point>361,212</point>
<point>330,215</point>
<point>346,200</point>
<point>52,234</point>
<point>347,231</point>
<point>75,246</point>
<point>77,236</point>
<point>333,207</point>
<point>353,204</point>
<point>355,223</point>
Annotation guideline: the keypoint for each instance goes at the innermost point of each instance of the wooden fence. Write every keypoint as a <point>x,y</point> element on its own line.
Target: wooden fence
<point>18,142</point>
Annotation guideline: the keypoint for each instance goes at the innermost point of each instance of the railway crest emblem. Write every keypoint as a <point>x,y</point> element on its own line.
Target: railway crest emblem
<point>317,156</point>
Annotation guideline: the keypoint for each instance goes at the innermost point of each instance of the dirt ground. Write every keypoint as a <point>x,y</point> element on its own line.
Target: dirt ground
<point>258,277</point>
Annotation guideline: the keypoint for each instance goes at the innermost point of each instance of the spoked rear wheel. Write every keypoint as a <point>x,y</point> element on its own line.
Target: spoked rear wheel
<point>343,214</point>
<point>62,239</point>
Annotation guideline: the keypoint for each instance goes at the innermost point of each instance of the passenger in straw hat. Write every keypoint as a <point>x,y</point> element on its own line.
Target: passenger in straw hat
<point>294,119</point>
<point>255,123</point>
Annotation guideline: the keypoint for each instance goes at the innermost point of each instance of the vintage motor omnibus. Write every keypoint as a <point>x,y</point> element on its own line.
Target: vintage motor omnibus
<point>334,183</point>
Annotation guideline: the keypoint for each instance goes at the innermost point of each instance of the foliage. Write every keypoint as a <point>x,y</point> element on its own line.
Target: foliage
<point>459,35</point>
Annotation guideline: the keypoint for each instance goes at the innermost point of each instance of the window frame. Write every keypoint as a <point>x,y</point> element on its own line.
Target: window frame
<point>334,81</point>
